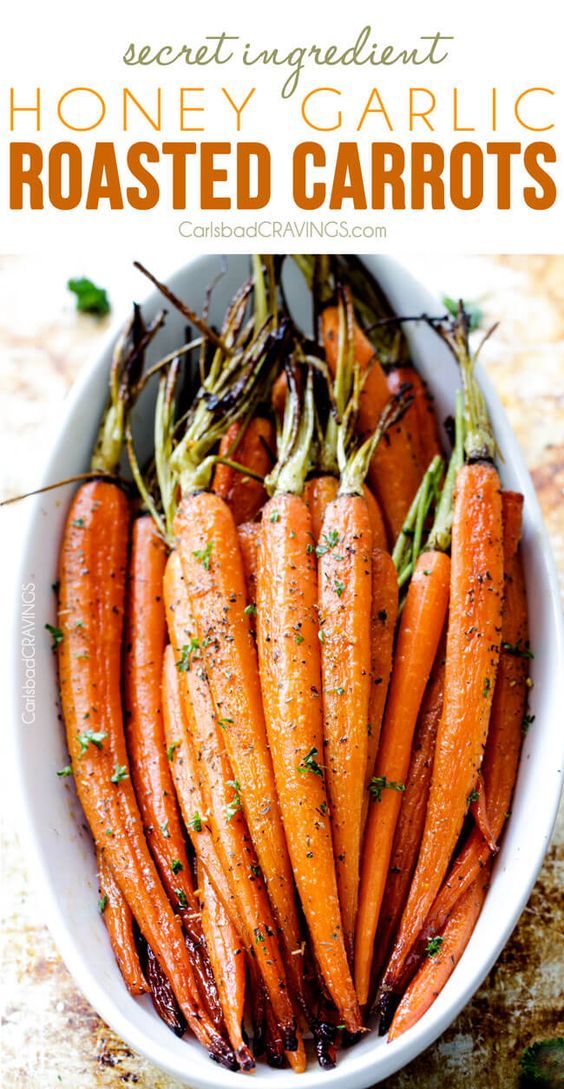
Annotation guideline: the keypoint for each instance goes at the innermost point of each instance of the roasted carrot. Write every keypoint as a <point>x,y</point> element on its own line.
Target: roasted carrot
<point>345,587</point>
<point>409,830</point>
<point>227,954</point>
<point>119,924</point>
<point>290,670</point>
<point>479,811</point>
<point>249,446</point>
<point>420,417</point>
<point>394,472</point>
<point>190,790</point>
<point>443,954</point>
<point>505,735</point>
<point>214,579</point>
<point>383,617</point>
<point>248,534</point>
<point>208,729</point>
<point>91,605</point>
<point>150,770</point>
<point>473,646</point>
<point>418,639</point>
<point>162,995</point>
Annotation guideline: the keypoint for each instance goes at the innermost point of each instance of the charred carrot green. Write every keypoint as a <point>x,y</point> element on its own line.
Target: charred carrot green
<point>227,954</point>
<point>290,667</point>
<point>443,954</point>
<point>209,728</point>
<point>119,924</point>
<point>473,646</point>
<point>249,447</point>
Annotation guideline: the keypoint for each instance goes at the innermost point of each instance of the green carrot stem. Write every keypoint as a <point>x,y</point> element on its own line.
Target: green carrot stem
<point>239,468</point>
<point>404,553</point>
<point>441,531</point>
<point>355,468</point>
<point>289,473</point>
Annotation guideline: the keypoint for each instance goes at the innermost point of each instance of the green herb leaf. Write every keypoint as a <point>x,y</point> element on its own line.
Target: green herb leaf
<point>542,1064</point>
<point>120,773</point>
<point>299,638</point>
<point>527,722</point>
<point>225,723</point>
<point>171,750</point>
<point>518,651</point>
<point>309,763</point>
<point>181,897</point>
<point>65,772</point>
<point>275,516</point>
<point>256,871</point>
<point>91,737</point>
<point>433,946</point>
<point>102,904</point>
<point>259,936</point>
<point>321,635</point>
<point>187,651</point>
<point>203,555</point>
<point>195,822</point>
<point>475,313</point>
<point>89,298</point>
<point>176,865</point>
<point>78,522</point>
<point>235,804</point>
<point>165,830</point>
<point>486,688</point>
<point>472,797</point>
<point>328,542</point>
<point>338,587</point>
<point>56,635</point>
<point>250,610</point>
<point>379,783</point>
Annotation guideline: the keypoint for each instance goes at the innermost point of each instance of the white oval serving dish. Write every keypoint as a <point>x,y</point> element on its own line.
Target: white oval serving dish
<point>58,846</point>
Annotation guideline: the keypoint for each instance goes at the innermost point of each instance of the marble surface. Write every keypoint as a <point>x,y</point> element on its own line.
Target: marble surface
<point>50,1035</point>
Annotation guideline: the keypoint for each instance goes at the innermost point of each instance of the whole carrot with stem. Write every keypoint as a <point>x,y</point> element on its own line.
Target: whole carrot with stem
<point>344,589</point>
<point>443,954</point>
<point>505,735</point>
<point>473,646</point>
<point>90,618</point>
<point>290,669</point>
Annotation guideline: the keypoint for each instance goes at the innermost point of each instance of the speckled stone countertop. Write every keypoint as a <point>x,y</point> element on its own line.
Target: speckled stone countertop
<point>50,1036</point>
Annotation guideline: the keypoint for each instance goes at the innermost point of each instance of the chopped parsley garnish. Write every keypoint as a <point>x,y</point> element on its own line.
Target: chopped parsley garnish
<point>203,555</point>
<point>309,549</point>
<point>472,797</point>
<point>518,651</point>
<point>56,635</point>
<point>527,721</point>
<point>259,936</point>
<point>171,750</point>
<point>78,522</point>
<point>338,587</point>
<point>433,946</point>
<point>250,610</point>
<point>225,723</point>
<point>91,737</point>
<point>184,664</point>
<point>328,542</point>
<point>321,635</point>
<point>89,298</point>
<point>299,638</point>
<point>120,773</point>
<point>181,897</point>
<point>176,865</point>
<point>195,822</point>
<point>102,904</point>
<point>379,783</point>
<point>339,691</point>
<point>64,772</point>
<point>256,870</point>
<point>235,803</point>
<point>165,830</point>
<point>486,688</point>
<point>275,516</point>
<point>309,763</point>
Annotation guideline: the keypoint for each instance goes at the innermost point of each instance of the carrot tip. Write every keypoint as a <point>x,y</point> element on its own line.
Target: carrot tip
<point>388,1003</point>
<point>223,1054</point>
<point>245,1058</point>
